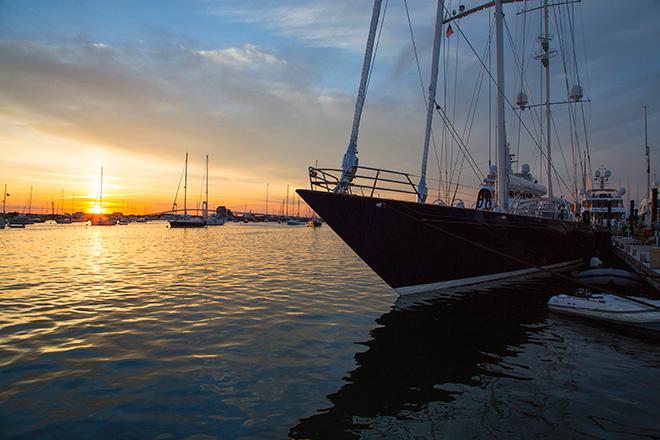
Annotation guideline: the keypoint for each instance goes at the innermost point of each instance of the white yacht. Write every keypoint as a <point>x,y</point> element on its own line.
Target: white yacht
<point>601,203</point>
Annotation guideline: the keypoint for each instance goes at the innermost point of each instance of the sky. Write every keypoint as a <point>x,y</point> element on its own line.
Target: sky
<point>267,88</point>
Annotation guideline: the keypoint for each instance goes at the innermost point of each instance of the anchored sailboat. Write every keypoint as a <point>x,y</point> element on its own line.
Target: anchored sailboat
<point>99,219</point>
<point>3,222</point>
<point>186,221</point>
<point>417,246</point>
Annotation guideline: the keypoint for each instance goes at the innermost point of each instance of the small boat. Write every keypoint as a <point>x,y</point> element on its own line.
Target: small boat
<point>63,220</point>
<point>314,222</point>
<point>20,221</point>
<point>123,221</point>
<point>597,275</point>
<point>640,313</point>
<point>608,276</point>
<point>102,221</point>
<point>294,222</point>
<point>215,221</point>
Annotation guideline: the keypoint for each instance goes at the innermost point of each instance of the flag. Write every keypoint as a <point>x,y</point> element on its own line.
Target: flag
<point>450,31</point>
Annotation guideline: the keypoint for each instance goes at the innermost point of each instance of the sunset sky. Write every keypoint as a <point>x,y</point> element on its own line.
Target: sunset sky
<point>267,88</point>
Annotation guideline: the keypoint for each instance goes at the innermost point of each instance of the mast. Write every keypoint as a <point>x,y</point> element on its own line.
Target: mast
<point>430,104</point>
<point>266,200</point>
<point>648,157</point>
<point>545,44</point>
<point>101,193</point>
<point>206,202</point>
<point>185,187</point>
<point>62,201</point>
<point>350,161</point>
<point>287,201</point>
<point>502,148</point>
<point>4,205</point>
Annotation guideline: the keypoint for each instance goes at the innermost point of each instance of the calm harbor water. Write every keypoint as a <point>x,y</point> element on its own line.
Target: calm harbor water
<point>269,331</point>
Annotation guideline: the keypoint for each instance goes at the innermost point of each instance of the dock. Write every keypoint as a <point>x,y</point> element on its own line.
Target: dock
<point>644,259</point>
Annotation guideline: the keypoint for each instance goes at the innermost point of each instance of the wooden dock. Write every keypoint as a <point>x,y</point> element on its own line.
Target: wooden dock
<point>639,257</point>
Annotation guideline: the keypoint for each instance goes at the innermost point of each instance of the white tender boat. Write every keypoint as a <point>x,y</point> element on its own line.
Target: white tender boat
<point>641,313</point>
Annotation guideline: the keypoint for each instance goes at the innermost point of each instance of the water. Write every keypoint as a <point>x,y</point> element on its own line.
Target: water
<point>268,331</point>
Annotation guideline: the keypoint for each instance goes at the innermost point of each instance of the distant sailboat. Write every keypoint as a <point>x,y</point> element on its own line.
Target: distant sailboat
<point>186,221</point>
<point>99,219</point>
<point>4,208</point>
<point>23,219</point>
<point>214,220</point>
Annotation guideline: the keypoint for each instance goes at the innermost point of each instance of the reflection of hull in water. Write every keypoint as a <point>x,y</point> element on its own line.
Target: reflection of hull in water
<point>420,247</point>
<point>422,354</point>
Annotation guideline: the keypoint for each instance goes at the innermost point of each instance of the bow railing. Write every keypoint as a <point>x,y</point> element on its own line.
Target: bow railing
<point>367,181</point>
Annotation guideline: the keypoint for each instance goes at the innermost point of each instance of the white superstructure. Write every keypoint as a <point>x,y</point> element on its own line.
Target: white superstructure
<point>602,203</point>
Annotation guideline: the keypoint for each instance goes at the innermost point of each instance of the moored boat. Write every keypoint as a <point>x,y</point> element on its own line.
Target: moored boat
<point>314,222</point>
<point>100,219</point>
<point>186,221</point>
<point>215,221</point>
<point>516,227</point>
<point>608,276</point>
<point>641,313</point>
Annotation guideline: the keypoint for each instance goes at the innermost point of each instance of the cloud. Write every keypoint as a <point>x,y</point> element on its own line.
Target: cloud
<point>249,56</point>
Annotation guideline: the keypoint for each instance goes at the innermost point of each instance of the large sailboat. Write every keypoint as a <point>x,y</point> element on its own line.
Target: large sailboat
<point>417,246</point>
<point>186,221</point>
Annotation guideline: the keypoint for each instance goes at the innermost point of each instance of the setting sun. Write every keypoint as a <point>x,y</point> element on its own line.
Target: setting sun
<point>96,209</point>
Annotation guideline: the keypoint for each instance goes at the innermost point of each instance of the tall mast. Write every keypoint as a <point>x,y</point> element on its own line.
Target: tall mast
<point>430,104</point>
<point>4,204</point>
<point>545,44</point>
<point>206,202</point>
<point>101,194</point>
<point>350,161</point>
<point>648,157</point>
<point>62,201</point>
<point>502,149</point>
<point>266,199</point>
<point>287,201</point>
<point>185,187</point>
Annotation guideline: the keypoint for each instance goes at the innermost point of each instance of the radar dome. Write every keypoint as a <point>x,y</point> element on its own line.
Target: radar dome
<point>622,190</point>
<point>525,168</point>
<point>608,173</point>
<point>597,174</point>
<point>521,100</point>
